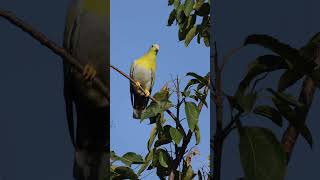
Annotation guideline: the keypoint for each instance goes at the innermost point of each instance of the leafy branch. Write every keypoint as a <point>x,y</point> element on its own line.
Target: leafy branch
<point>298,64</point>
<point>165,164</point>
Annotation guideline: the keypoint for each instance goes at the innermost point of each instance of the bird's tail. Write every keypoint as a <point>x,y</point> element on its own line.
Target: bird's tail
<point>137,113</point>
<point>139,105</point>
<point>90,165</point>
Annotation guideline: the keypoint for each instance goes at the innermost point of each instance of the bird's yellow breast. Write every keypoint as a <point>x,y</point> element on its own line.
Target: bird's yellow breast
<point>147,62</point>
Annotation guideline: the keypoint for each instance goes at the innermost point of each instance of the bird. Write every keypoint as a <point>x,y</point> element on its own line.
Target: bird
<point>87,38</point>
<point>142,71</point>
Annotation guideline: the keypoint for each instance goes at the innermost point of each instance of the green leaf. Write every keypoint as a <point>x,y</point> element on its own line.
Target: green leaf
<point>204,10</point>
<point>294,119</point>
<point>190,35</point>
<point>152,137</point>
<point>202,80</point>
<point>113,156</point>
<point>180,16</point>
<point>288,78</point>
<point>132,158</point>
<point>188,7</point>
<point>309,51</point>
<point>125,173</point>
<point>262,64</point>
<point>188,174</point>
<point>206,41</point>
<point>172,17</point>
<point>146,163</point>
<point>270,113</point>
<point>192,114</point>
<point>247,102</point>
<point>315,75</point>
<point>191,21</point>
<point>175,134</point>
<point>170,2</point>
<point>197,134</point>
<point>154,108</point>
<point>198,4</point>
<point>163,136</point>
<point>261,154</point>
<point>292,55</point>
<point>191,82</point>
<point>199,175</point>
<point>163,158</point>
<point>198,38</point>
<point>287,98</point>
<point>176,4</point>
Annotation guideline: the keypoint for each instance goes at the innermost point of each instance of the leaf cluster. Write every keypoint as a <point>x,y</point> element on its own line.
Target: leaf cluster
<point>261,154</point>
<point>187,14</point>
<point>164,134</point>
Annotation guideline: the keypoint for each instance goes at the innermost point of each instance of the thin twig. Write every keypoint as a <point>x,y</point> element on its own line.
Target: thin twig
<point>227,57</point>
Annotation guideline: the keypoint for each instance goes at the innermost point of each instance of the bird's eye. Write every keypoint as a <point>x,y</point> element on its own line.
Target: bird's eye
<point>152,46</point>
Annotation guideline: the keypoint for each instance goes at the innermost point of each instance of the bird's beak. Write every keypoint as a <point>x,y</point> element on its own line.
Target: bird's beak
<point>157,51</point>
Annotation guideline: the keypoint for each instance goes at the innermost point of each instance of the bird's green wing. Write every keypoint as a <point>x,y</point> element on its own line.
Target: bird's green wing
<point>153,77</point>
<point>68,43</point>
<point>131,86</point>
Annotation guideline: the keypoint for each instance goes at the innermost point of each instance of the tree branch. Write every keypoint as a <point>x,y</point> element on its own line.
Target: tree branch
<point>187,139</point>
<point>140,88</point>
<point>218,141</point>
<point>52,46</point>
<point>291,134</point>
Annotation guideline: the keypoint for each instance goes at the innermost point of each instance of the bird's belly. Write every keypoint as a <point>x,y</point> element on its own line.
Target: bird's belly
<point>92,48</point>
<point>143,76</point>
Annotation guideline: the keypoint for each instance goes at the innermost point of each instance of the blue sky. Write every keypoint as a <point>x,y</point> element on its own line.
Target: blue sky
<point>136,25</point>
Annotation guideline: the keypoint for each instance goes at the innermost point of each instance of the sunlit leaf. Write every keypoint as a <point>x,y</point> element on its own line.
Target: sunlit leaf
<point>190,35</point>
<point>152,137</point>
<point>155,108</point>
<point>192,114</point>
<point>176,135</point>
<point>146,163</point>
<point>163,158</point>
<point>132,158</point>
<point>188,7</point>
<point>197,134</point>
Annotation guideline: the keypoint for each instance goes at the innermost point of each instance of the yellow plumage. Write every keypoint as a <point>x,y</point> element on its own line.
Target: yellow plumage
<point>143,72</point>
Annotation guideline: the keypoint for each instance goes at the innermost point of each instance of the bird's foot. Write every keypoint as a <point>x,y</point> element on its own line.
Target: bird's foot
<point>138,84</point>
<point>147,93</point>
<point>89,72</point>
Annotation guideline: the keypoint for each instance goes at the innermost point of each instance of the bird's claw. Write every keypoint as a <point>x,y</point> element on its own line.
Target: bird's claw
<point>147,93</point>
<point>138,84</point>
<point>89,72</point>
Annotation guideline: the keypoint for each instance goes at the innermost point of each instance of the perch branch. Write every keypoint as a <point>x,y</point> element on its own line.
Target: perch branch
<point>52,46</point>
<point>140,88</point>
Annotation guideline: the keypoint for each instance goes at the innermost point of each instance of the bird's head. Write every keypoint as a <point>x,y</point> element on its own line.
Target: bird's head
<point>154,48</point>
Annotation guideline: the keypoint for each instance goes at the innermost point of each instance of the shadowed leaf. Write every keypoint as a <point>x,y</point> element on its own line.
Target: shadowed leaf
<point>270,113</point>
<point>261,154</point>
